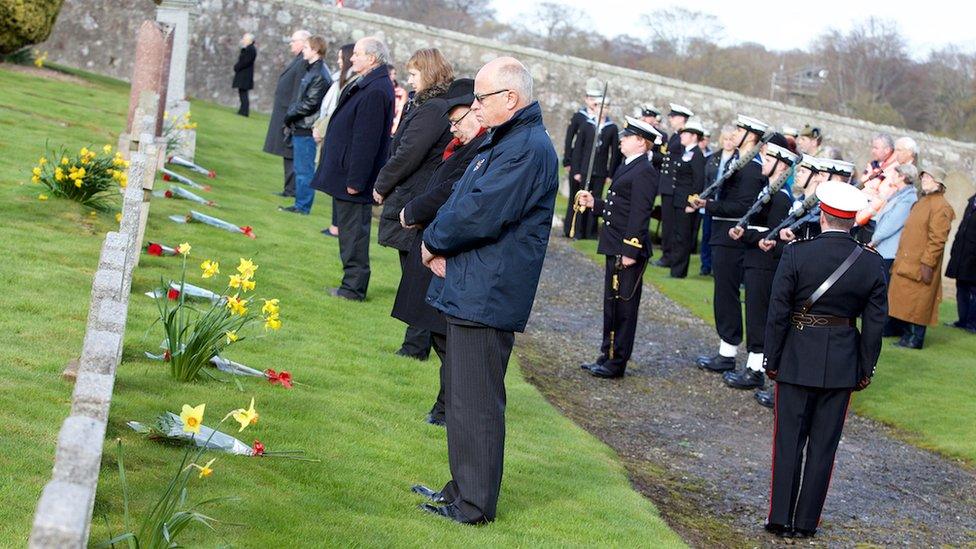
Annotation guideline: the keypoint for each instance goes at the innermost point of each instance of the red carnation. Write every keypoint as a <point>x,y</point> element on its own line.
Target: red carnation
<point>173,294</point>
<point>284,378</point>
<point>168,194</point>
<point>166,177</point>
<point>248,231</point>
<point>212,174</point>
<point>154,249</point>
<point>167,356</point>
<point>258,448</point>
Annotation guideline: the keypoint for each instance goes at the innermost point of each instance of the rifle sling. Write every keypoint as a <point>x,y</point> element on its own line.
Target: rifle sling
<point>833,278</point>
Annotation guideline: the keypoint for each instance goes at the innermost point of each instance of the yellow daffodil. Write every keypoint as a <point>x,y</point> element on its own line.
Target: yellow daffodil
<point>78,183</point>
<point>184,248</point>
<point>92,213</point>
<point>270,307</point>
<point>247,284</point>
<point>231,336</point>
<point>64,160</point>
<point>272,322</point>
<point>205,470</point>
<point>246,269</point>
<point>210,268</point>
<point>118,217</point>
<point>107,149</point>
<point>192,418</point>
<point>234,281</point>
<point>236,305</point>
<point>36,170</point>
<point>35,179</point>
<point>245,417</point>
<point>42,160</point>
<point>42,197</point>
<point>84,151</point>
<point>58,174</point>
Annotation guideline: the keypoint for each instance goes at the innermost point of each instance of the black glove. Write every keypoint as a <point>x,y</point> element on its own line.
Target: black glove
<point>771,374</point>
<point>863,384</point>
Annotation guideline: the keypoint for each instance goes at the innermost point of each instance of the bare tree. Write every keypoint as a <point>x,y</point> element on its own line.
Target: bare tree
<point>675,29</point>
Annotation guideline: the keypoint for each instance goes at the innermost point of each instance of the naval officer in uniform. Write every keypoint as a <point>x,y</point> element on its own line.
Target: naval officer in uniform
<point>817,355</point>
<point>677,118</point>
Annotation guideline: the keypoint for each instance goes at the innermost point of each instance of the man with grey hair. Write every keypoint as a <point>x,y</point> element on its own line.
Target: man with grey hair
<point>486,247</point>
<point>244,72</point>
<point>275,142</point>
<point>356,146</point>
<point>882,156</point>
<point>906,150</point>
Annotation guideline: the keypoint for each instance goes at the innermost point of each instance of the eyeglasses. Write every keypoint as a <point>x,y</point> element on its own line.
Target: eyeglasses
<point>480,98</point>
<point>456,123</point>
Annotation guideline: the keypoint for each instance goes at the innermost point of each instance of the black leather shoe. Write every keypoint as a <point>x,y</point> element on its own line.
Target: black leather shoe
<point>334,292</point>
<point>661,263</point>
<point>435,420</point>
<point>603,372</point>
<point>717,363</point>
<point>450,511</point>
<point>435,497</point>
<point>589,366</point>
<point>906,344</point>
<point>291,209</point>
<point>745,379</point>
<point>800,533</point>
<point>401,352</point>
<point>283,194</point>
<point>327,232</point>
<point>779,530</point>
<point>765,397</point>
<point>705,272</point>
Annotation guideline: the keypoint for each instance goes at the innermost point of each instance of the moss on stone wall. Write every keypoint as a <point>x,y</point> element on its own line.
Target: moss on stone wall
<point>26,22</point>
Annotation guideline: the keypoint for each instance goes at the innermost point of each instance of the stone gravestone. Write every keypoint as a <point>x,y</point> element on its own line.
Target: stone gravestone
<point>180,15</point>
<point>150,72</point>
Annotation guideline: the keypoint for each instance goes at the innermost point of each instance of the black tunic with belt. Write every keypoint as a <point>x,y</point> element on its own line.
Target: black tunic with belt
<point>689,179</point>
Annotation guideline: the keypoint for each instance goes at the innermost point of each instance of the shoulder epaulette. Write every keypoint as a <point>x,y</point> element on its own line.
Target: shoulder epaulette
<point>869,248</point>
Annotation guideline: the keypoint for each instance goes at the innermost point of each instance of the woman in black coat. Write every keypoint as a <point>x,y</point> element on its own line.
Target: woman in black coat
<point>244,72</point>
<point>962,267</point>
<point>416,150</point>
<point>411,304</point>
<point>688,172</point>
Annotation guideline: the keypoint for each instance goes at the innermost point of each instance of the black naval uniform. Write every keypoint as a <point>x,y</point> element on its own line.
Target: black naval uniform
<point>659,152</point>
<point>817,366</point>
<point>626,214</point>
<point>666,190</point>
<point>734,199</point>
<point>576,122</point>
<point>605,161</point>
<point>689,178</point>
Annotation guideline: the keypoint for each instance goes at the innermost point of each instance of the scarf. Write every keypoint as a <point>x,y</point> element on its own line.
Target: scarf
<point>456,144</point>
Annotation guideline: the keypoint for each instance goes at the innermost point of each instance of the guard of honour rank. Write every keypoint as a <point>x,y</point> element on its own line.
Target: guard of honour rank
<point>806,278</point>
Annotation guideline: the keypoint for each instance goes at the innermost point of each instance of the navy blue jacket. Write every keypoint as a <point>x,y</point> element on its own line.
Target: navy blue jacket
<point>358,139</point>
<point>494,228</point>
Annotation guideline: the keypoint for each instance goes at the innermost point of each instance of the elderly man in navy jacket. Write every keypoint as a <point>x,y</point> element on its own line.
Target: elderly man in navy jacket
<point>486,248</point>
<point>355,149</point>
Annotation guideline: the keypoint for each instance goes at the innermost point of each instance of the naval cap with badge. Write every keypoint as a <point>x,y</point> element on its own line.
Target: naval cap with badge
<point>694,125</point>
<point>840,199</point>
<point>680,110</point>
<point>781,153</point>
<point>838,167</point>
<point>650,110</point>
<point>633,126</point>
<point>594,88</point>
<point>752,125</point>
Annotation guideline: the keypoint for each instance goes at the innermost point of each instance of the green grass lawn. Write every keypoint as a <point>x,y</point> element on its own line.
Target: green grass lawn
<point>927,395</point>
<point>361,412</point>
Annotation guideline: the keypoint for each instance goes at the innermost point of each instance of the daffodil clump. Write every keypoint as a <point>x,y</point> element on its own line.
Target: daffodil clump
<point>173,126</point>
<point>90,177</point>
<point>193,336</point>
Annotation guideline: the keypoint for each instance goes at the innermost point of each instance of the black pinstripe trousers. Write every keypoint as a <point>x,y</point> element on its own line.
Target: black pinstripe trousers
<point>477,359</point>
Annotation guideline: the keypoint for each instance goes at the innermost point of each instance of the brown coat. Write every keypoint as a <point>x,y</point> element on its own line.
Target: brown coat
<point>922,242</point>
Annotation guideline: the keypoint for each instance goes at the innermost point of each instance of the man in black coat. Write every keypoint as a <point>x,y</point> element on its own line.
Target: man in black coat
<point>244,72</point>
<point>589,110</point>
<point>688,178</point>
<point>677,118</point>
<point>817,356</point>
<point>732,202</point>
<point>962,267</point>
<point>624,241</point>
<point>275,142</point>
<point>410,304</point>
<point>356,147</point>
<point>606,158</point>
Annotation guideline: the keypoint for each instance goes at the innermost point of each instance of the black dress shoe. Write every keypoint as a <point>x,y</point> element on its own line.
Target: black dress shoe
<point>906,344</point>
<point>705,272</point>
<point>800,533</point>
<point>661,263</point>
<point>765,397</point>
<point>717,363</point>
<point>745,379</point>
<point>405,354</point>
<point>589,366</point>
<point>450,511</point>
<point>435,420</point>
<point>335,292</point>
<point>283,194</point>
<point>780,530</point>
<point>327,232</point>
<point>291,209</point>
<point>603,372</point>
<point>435,497</point>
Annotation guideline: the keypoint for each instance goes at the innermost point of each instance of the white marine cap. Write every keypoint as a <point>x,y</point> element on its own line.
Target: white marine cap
<point>784,154</point>
<point>680,110</point>
<point>750,124</point>
<point>838,167</point>
<point>640,128</point>
<point>790,131</point>
<point>812,163</point>
<point>694,125</point>
<point>594,87</point>
<point>841,199</point>
<point>647,109</point>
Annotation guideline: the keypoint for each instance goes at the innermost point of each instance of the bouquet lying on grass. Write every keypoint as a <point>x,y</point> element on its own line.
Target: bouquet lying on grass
<point>89,177</point>
<point>195,335</point>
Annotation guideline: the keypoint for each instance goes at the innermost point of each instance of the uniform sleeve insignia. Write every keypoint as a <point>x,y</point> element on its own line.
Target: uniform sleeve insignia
<point>869,248</point>
<point>633,242</point>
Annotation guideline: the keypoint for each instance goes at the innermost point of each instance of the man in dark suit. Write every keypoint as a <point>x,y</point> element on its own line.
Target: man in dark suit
<point>816,355</point>
<point>356,147</point>
<point>486,247</point>
<point>244,72</point>
<point>731,202</point>
<point>677,118</point>
<point>624,241</point>
<point>275,142</point>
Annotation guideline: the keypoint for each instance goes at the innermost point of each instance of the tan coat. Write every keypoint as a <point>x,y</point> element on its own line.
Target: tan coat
<point>922,242</point>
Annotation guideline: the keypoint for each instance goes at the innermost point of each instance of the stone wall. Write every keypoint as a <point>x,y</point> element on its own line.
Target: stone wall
<point>97,36</point>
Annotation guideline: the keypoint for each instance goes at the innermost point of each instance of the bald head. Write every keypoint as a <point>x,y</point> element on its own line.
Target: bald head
<point>510,73</point>
<point>247,39</point>
<point>502,88</point>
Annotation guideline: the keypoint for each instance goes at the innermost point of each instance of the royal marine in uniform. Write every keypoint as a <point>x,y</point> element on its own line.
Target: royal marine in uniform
<point>817,355</point>
<point>624,241</point>
<point>677,118</point>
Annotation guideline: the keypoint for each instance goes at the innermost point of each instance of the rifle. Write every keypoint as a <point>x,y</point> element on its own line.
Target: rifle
<point>577,209</point>
<point>812,216</point>
<point>738,165</point>
<point>798,214</point>
<point>764,197</point>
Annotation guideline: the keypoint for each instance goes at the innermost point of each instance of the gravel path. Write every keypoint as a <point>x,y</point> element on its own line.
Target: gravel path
<point>701,451</point>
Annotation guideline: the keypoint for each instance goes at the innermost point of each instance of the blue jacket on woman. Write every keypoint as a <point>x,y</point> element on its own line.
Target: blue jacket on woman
<point>494,228</point>
<point>358,139</point>
<point>891,220</point>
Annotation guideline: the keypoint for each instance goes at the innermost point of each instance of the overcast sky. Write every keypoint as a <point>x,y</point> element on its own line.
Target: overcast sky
<point>927,25</point>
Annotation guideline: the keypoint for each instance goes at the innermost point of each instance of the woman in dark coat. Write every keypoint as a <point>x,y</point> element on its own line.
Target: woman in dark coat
<point>244,72</point>
<point>416,150</point>
<point>688,172</point>
<point>962,267</point>
<point>410,305</point>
